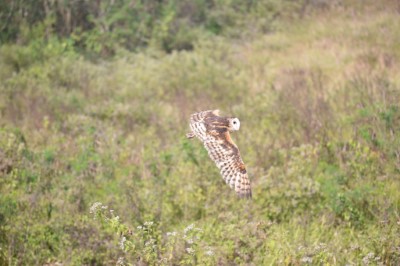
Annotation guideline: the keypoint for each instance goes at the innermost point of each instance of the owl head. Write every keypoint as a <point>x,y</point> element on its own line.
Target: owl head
<point>234,124</point>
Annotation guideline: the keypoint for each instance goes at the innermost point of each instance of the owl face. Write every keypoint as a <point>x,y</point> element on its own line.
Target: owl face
<point>234,124</point>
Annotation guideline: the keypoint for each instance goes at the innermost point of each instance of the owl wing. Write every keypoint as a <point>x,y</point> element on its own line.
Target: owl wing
<point>223,152</point>
<point>227,157</point>
<point>198,126</point>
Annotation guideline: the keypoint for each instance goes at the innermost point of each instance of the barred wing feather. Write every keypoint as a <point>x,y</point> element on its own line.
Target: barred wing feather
<point>227,158</point>
<point>223,152</point>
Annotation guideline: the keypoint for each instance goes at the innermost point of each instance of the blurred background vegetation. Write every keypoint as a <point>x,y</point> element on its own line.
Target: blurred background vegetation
<point>95,98</point>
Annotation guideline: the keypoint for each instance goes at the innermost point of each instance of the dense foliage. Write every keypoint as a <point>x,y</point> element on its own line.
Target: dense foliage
<point>95,168</point>
<point>108,25</point>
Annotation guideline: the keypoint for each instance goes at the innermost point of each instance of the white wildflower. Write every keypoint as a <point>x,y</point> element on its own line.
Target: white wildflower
<point>190,251</point>
<point>104,207</point>
<point>187,229</point>
<point>210,253</point>
<point>139,227</point>
<point>171,233</point>
<point>320,247</point>
<point>95,207</point>
<point>148,223</point>
<point>354,247</point>
<point>122,243</point>
<point>190,241</point>
<point>306,259</point>
<point>120,261</point>
<point>368,257</point>
<point>150,242</point>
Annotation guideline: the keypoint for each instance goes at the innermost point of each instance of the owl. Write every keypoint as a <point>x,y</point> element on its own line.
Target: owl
<point>213,130</point>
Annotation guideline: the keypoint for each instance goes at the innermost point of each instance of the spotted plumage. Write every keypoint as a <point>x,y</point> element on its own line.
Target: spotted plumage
<point>213,130</point>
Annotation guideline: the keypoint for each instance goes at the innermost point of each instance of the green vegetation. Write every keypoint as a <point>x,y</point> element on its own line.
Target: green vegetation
<point>95,168</point>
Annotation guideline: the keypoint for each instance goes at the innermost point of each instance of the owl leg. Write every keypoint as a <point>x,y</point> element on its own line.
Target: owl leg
<point>190,135</point>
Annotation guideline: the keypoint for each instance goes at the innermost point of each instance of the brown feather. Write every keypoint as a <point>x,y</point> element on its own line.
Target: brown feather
<point>212,130</point>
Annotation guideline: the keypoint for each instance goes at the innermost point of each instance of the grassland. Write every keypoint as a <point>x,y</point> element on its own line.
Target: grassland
<point>96,170</point>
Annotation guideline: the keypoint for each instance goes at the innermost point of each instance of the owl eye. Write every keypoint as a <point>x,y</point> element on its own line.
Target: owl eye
<point>234,122</point>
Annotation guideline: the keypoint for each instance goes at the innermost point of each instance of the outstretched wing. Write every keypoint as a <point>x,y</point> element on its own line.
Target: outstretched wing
<point>223,152</point>
<point>198,125</point>
<point>226,156</point>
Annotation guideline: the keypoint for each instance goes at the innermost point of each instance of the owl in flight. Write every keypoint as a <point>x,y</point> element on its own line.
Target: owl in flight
<point>213,130</point>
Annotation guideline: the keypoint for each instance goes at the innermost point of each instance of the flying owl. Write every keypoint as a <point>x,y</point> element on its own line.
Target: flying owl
<point>213,130</point>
